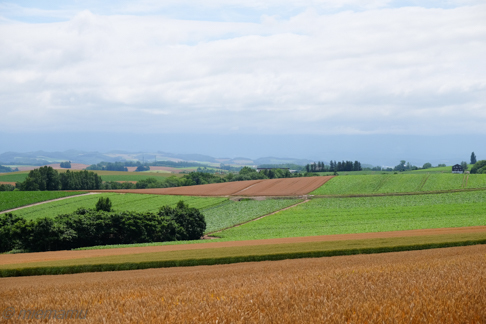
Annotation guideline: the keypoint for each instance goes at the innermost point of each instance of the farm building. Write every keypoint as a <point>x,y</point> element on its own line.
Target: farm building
<point>457,168</point>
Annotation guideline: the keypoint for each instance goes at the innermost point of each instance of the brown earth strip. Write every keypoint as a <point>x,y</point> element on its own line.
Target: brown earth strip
<point>68,255</point>
<point>431,286</point>
<point>45,202</point>
<point>285,187</point>
<point>272,187</point>
<point>6,182</point>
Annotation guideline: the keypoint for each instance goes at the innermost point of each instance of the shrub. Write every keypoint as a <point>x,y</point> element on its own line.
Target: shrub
<point>104,204</point>
<point>479,167</point>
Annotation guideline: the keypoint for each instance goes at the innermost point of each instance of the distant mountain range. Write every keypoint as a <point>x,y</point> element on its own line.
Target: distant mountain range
<point>42,158</point>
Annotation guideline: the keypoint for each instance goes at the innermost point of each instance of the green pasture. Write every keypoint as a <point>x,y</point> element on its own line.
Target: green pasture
<point>14,199</point>
<point>399,183</point>
<point>219,212</point>
<point>237,212</point>
<point>121,202</point>
<point>18,176</point>
<point>323,216</point>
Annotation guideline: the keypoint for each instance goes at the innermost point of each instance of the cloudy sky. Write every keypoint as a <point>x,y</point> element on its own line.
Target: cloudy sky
<point>304,67</point>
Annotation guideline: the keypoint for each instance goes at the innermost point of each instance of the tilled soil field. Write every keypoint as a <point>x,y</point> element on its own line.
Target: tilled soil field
<point>272,187</point>
<point>285,187</point>
<point>432,286</point>
<point>69,255</point>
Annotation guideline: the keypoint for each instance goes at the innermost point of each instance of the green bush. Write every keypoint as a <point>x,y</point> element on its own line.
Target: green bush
<point>104,204</point>
<point>479,167</point>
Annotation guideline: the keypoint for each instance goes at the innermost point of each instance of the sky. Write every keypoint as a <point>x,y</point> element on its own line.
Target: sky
<point>184,70</point>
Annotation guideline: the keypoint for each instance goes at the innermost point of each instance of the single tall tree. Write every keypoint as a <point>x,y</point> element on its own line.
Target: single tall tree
<point>473,158</point>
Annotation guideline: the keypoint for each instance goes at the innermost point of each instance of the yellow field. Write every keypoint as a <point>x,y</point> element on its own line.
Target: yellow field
<point>430,286</point>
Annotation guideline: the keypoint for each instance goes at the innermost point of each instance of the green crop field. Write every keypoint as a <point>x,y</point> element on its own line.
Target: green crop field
<point>237,212</point>
<point>439,169</point>
<point>14,199</point>
<point>397,183</point>
<point>323,216</point>
<point>121,202</point>
<point>13,176</point>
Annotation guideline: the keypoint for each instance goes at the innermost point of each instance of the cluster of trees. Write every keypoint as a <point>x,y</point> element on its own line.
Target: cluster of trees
<point>334,166</point>
<point>46,178</point>
<point>89,227</point>
<point>6,187</point>
<point>404,166</point>
<point>5,169</point>
<point>108,166</point>
<point>142,167</point>
<point>479,167</point>
<point>66,165</point>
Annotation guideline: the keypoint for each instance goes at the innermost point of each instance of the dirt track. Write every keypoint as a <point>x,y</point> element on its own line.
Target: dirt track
<point>273,187</point>
<point>67,255</point>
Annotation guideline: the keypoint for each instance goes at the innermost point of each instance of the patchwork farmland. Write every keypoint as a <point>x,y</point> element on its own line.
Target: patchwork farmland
<point>282,219</point>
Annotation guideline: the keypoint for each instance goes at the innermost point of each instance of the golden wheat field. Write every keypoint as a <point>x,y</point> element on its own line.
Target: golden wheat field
<point>432,286</point>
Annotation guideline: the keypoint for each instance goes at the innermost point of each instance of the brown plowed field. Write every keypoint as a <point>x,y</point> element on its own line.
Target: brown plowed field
<point>431,286</point>
<point>6,182</point>
<point>214,189</point>
<point>285,187</point>
<point>68,255</point>
<point>272,187</point>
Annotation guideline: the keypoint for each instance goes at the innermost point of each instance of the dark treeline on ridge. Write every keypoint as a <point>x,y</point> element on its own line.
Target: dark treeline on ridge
<point>334,166</point>
<point>46,178</point>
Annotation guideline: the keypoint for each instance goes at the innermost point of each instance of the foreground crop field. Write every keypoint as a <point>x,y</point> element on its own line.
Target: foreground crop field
<point>14,199</point>
<point>272,187</point>
<point>120,202</point>
<point>323,216</point>
<point>433,286</point>
<point>399,183</point>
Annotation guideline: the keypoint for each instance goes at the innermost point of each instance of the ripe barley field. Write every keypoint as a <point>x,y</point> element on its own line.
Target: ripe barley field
<point>431,286</point>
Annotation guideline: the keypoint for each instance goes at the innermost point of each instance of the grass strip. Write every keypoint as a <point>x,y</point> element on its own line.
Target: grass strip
<point>228,255</point>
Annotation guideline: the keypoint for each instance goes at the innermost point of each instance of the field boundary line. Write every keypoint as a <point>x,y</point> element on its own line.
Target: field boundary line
<point>437,192</point>
<point>47,201</point>
<point>206,236</point>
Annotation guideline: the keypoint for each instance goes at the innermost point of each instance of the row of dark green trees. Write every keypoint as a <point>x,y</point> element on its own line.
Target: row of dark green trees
<point>91,227</point>
<point>46,178</point>
<point>334,166</point>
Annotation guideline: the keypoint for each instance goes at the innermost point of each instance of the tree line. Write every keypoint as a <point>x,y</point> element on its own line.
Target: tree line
<point>334,166</point>
<point>46,178</point>
<point>91,227</point>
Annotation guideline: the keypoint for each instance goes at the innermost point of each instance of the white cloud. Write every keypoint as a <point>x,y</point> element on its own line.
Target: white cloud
<point>404,70</point>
